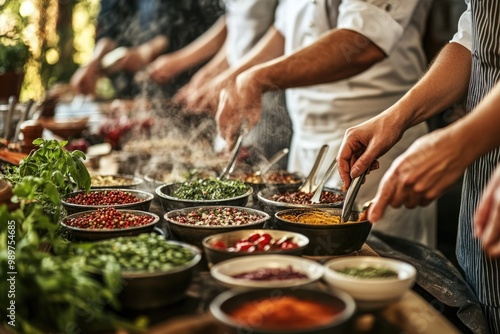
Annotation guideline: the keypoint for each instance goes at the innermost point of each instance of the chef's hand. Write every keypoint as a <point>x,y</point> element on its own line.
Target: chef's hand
<point>164,68</point>
<point>206,98</point>
<point>487,217</point>
<point>200,81</point>
<point>85,78</point>
<point>240,108</point>
<point>430,166</point>
<point>363,144</point>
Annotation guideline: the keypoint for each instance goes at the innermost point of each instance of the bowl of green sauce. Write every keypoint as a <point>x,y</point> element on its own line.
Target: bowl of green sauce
<point>373,282</point>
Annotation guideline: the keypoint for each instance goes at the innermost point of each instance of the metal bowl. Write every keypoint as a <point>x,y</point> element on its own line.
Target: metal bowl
<point>131,181</point>
<point>194,234</point>
<point>170,203</point>
<point>228,301</point>
<point>327,239</point>
<point>153,290</point>
<point>215,255</point>
<point>91,235</point>
<point>142,205</point>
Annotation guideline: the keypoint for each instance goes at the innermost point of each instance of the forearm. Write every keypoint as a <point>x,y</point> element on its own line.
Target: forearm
<point>445,83</point>
<point>204,47</point>
<point>479,131</point>
<point>218,63</point>
<point>322,62</point>
<point>102,47</point>
<point>269,47</point>
<point>154,47</point>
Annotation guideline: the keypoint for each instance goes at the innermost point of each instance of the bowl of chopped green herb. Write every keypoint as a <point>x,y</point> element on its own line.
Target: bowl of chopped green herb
<point>374,282</point>
<point>154,272</point>
<point>203,192</point>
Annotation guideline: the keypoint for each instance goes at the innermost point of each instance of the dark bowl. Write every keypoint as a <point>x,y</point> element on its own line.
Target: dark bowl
<point>91,235</point>
<point>273,206</point>
<point>215,255</point>
<point>228,301</point>
<point>170,203</point>
<point>153,290</point>
<point>142,205</point>
<point>194,234</point>
<point>327,239</point>
<point>129,181</point>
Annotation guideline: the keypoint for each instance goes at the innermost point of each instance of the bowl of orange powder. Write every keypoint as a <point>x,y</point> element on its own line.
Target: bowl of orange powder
<point>287,310</point>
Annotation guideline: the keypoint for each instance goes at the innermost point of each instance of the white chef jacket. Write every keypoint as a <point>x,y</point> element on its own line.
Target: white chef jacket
<point>322,113</point>
<point>247,21</point>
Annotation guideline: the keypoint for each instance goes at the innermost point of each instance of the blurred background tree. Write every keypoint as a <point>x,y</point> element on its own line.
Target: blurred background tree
<point>60,34</point>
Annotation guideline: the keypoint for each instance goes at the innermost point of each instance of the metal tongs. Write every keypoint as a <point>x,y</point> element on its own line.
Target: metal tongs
<point>319,189</point>
<point>350,197</point>
<point>232,158</point>
<point>275,158</point>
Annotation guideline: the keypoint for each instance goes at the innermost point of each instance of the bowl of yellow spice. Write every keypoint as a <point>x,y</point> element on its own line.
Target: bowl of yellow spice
<point>327,234</point>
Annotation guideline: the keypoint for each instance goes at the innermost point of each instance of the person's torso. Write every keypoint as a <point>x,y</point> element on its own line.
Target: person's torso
<point>360,97</point>
<point>247,21</point>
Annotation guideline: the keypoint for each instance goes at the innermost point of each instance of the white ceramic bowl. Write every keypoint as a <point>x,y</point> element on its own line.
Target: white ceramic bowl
<point>223,271</point>
<point>371,293</point>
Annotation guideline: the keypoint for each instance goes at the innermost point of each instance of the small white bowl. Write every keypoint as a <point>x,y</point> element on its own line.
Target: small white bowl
<point>223,271</point>
<point>371,293</point>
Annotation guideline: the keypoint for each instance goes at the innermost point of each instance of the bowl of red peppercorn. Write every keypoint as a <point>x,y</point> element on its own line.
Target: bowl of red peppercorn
<point>191,225</point>
<point>108,222</point>
<point>130,199</point>
<point>228,245</point>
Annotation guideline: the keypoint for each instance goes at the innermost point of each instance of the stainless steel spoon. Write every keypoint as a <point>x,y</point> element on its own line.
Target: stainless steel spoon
<point>319,188</point>
<point>280,154</point>
<point>309,183</point>
<point>232,158</point>
<point>350,197</point>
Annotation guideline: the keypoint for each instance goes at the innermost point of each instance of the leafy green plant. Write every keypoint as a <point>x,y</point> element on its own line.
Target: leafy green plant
<point>52,292</point>
<point>13,57</point>
<point>49,173</point>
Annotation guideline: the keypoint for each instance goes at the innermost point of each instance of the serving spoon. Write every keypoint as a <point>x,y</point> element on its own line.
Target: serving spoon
<point>309,183</point>
<point>350,197</point>
<point>232,158</point>
<point>280,154</point>
<point>319,189</point>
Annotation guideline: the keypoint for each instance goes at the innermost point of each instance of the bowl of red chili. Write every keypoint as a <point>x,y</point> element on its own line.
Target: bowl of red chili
<point>130,199</point>
<point>228,245</point>
<point>327,235</point>
<point>267,271</point>
<point>108,222</point>
<point>191,225</point>
<point>288,310</point>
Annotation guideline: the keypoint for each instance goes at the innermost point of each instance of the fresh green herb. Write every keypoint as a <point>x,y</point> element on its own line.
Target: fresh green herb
<point>146,252</point>
<point>49,173</point>
<point>52,293</point>
<point>368,272</point>
<point>210,189</point>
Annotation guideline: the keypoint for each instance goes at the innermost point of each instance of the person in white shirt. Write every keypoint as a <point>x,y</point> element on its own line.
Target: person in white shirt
<point>341,63</point>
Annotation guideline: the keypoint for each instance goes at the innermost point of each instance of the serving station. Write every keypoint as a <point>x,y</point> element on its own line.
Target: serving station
<point>245,253</point>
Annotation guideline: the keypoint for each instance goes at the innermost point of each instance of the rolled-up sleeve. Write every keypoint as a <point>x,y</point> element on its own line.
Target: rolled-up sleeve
<point>463,35</point>
<point>381,21</point>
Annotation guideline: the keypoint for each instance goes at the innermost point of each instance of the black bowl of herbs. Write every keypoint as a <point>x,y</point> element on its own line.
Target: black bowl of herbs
<point>203,192</point>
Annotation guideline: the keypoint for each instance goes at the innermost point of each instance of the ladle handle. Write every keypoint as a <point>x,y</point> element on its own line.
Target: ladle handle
<point>232,158</point>
<point>308,184</point>
<point>277,157</point>
<point>350,197</point>
<point>319,189</point>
